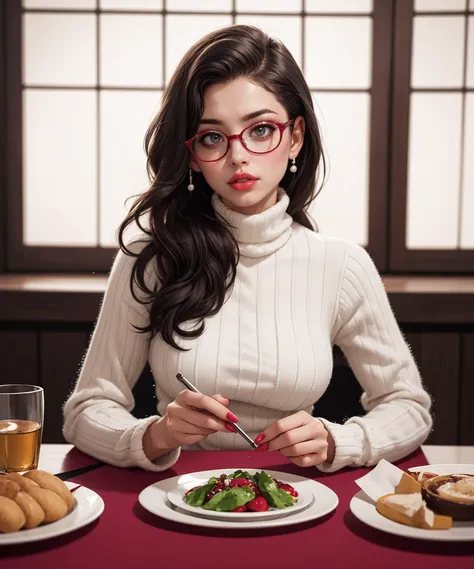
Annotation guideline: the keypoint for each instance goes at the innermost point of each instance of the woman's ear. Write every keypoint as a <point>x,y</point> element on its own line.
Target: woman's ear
<point>297,137</point>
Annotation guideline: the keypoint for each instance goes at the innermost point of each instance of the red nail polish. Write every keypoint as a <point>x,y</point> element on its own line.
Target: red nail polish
<point>263,448</point>
<point>259,439</point>
<point>230,428</point>
<point>232,417</point>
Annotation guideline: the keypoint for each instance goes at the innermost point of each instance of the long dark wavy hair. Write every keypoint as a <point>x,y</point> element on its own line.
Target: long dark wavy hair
<point>195,253</point>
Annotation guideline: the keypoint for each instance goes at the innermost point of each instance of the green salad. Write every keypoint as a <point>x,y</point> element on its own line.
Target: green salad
<point>242,492</point>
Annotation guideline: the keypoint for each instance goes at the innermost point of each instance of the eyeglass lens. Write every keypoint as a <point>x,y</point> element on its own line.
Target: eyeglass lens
<point>258,138</point>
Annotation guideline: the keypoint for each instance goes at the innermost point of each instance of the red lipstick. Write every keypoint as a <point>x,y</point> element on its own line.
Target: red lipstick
<point>242,182</point>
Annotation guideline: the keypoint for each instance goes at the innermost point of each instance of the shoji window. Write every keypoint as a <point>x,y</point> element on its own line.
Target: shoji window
<point>433,133</point>
<point>338,68</point>
<point>86,77</point>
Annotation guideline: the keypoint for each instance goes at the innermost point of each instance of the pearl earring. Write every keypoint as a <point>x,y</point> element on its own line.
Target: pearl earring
<point>190,185</point>
<point>293,166</point>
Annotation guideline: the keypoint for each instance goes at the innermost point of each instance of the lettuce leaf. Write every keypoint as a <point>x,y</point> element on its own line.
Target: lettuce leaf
<point>230,499</point>
<point>196,497</point>
<point>275,496</point>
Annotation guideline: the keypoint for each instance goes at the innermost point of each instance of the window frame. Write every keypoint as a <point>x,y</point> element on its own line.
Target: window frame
<point>3,127</point>
<point>42,259</point>
<point>401,258</point>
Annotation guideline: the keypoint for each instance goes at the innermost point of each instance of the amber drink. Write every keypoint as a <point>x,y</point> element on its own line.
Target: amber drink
<point>21,427</point>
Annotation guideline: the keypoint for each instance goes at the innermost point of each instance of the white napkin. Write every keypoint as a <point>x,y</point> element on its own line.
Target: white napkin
<point>381,480</point>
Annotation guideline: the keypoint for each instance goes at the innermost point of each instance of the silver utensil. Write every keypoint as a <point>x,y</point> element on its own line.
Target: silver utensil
<point>180,377</point>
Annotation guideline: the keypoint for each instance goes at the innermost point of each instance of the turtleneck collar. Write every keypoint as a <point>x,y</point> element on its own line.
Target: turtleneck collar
<point>260,234</point>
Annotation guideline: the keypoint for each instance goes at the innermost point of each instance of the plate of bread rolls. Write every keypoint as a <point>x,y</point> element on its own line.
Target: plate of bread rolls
<point>38,505</point>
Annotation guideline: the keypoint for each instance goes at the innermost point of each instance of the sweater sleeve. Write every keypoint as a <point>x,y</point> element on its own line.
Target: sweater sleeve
<point>97,417</point>
<point>398,416</point>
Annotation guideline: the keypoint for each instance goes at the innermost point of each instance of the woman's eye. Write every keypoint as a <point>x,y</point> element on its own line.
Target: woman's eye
<point>210,138</point>
<point>263,130</point>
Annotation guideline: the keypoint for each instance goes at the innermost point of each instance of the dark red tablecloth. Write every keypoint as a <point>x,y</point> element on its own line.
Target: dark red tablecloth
<point>128,536</point>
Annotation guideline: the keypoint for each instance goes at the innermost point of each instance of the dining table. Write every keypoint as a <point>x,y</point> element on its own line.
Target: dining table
<point>127,535</point>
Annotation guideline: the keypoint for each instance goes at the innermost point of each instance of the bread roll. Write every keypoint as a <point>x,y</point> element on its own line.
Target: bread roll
<point>12,517</point>
<point>34,513</point>
<point>53,505</point>
<point>24,483</point>
<point>8,488</point>
<point>53,483</point>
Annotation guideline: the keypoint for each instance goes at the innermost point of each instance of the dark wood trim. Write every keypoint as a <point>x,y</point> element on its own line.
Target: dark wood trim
<point>466,416</point>
<point>442,89</point>
<point>380,132</point>
<point>14,130</point>
<point>3,142</point>
<point>64,259</point>
<point>428,308</point>
<point>72,347</point>
<point>430,261</point>
<point>451,291</point>
<point>412,285</point>
<point>400,116</point>
<point>19,354</point>
<point>413,340</point>
<point>164,12</point>
<point>302,31</point>
<point>58,298</point>
<point>444,13</point>
<point>440,368</point>
<point>403,259</point>
<point>49,306</point>
<point>77,299</point>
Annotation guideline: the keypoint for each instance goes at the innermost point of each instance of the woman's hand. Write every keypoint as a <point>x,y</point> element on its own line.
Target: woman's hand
<point>301,438</point>
<point>190,418</point>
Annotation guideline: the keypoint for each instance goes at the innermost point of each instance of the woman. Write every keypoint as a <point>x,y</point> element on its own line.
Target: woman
<point>232,287</point>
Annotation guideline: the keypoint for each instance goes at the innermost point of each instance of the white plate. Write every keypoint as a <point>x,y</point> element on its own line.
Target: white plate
<point>442,469</point>
<point>154,499</point>
<point>188,481</point>
<point>364,509</point>
<point>89,506</point>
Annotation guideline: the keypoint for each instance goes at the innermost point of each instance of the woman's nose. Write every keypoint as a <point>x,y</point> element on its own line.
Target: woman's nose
<point>238,153</point>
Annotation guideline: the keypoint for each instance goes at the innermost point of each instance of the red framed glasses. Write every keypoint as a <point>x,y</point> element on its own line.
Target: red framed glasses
<point>261,137</point>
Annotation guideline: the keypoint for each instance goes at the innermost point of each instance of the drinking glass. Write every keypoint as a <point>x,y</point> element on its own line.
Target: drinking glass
<point>21,426</point>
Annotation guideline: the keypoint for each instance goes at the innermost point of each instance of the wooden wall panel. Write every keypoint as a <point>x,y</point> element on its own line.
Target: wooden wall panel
<point>51,355</point>
<point>439,366</point>
<point>414,341</point>
<point>3,145</point>
<point>18,357</point>
<point>466,419</point>
<point>61,353</point>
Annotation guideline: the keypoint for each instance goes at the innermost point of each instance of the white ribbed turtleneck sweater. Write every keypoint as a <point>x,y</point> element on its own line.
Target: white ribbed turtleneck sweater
<point>268,350</point>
